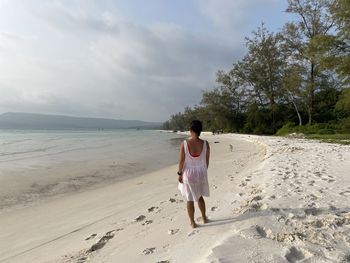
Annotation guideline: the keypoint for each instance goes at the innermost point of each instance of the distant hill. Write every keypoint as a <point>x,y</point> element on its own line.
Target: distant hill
<point>19,120</point>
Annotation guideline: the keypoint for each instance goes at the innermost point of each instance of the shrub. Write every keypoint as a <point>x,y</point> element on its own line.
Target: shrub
<point>286,129</point>
<point>326,131</point>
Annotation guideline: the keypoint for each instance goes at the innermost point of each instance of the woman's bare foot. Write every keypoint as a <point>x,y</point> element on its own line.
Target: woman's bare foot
<point>205,219</point>
<point>193,224</point>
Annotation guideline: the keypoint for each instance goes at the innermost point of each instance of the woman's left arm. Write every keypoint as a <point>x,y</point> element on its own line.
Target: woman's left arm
<point>181,161</point>
<point>208,153</point>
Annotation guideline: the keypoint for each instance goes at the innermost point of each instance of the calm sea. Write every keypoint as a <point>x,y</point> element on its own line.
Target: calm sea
<point>32,149</point>
<point>34,163</point>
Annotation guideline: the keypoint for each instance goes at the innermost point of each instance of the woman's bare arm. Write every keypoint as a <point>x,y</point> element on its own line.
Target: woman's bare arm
<point>181,161</point>
<point>208,153</point>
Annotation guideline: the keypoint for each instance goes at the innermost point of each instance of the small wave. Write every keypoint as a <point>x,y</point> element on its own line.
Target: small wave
<point>29,151</point>
<point>15,141</point>
<point>46,154</point>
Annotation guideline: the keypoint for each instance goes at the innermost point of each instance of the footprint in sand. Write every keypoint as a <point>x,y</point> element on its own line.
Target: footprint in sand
<point>213,208</point>
<point>192,233</point>
<point>332,207</point>
<point>320,191</point>
<point>173,200</point>
<point>148,251</point>
<point>173,231</point>
<point>346,258</point>
<point>91,237</point>
<point>147,222</point>
<point>295,254</point>
<point>281,219</point>
<point>102,242</point>
<point>140,218</point>
<point>311,183</point>
<point>153,208</point>
<point>256,198</point>
<point>242,184</point>
<point>261,232</point>
<point>318,174</point>
<point>82,259</point>
<point>272,197</point>
<point>345,193</point>
<point>313,197</point>
<point>312,211</point>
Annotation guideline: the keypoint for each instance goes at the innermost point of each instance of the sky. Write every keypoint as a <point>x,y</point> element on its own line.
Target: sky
<point>121,59</point>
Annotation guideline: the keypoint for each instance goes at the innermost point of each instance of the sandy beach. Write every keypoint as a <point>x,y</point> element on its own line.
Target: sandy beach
<point>272,200</point>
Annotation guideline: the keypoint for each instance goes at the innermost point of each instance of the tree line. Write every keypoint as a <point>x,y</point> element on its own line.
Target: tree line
<point>297,76</point>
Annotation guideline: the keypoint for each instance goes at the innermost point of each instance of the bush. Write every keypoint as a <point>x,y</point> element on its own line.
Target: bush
<point>318,128</point>
<point>345,124</point>
<point>326,131</point>
<point>286,129</point>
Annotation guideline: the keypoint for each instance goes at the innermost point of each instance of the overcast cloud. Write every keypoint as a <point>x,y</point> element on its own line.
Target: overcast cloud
<point>121,59</point>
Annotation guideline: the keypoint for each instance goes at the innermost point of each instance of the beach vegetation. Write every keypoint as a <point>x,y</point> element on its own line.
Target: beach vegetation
<point>292,81</point>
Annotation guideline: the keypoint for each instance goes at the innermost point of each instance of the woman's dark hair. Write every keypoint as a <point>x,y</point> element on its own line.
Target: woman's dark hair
<point>196,126</point>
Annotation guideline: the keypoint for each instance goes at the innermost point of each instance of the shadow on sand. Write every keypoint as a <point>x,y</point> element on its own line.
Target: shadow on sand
<point>298,212</point>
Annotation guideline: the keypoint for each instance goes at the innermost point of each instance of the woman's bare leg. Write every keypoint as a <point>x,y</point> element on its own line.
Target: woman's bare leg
<point>201,205</point>
<point>190,211</point>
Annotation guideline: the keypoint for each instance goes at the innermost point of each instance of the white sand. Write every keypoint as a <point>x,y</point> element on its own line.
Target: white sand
<point>272,200</point>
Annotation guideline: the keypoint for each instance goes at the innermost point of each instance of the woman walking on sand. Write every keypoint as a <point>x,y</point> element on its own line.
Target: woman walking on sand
<point>193,166</point>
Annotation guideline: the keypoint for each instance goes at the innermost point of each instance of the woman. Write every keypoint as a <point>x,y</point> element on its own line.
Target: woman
<point>193,166</point>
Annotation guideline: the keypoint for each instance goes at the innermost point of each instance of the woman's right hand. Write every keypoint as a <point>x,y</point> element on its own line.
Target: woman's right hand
<point>180,179</point>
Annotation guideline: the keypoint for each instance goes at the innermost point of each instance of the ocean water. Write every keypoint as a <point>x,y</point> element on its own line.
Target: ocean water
<point>33,149</point>
<point>44,163</point>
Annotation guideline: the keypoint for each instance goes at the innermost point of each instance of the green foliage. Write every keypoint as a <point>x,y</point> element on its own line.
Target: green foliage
<point>313,22</point>
<point>286,129</point>
<point>345,125</point>
<point>296,76</point>
<point>316,129</point>
<point>343,104</point>
<point>324,104</point>
<point>332,138</point>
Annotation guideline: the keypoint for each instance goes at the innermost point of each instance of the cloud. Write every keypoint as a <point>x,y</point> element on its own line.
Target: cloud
<point>235,16</point>
<point>70,16</point>
<point>83,58</point>
<point>90,62</point>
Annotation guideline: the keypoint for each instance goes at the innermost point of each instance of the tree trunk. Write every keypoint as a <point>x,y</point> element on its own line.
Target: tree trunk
<point>273,116</point>
<point>296,109</point>
<point>311,92</point>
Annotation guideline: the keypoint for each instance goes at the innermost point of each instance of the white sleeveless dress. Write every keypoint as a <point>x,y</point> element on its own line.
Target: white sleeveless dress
<point>195,176</point>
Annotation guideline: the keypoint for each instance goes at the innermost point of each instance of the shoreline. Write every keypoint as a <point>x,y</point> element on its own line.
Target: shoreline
<point>64,224</point>
<point>273,199</point>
